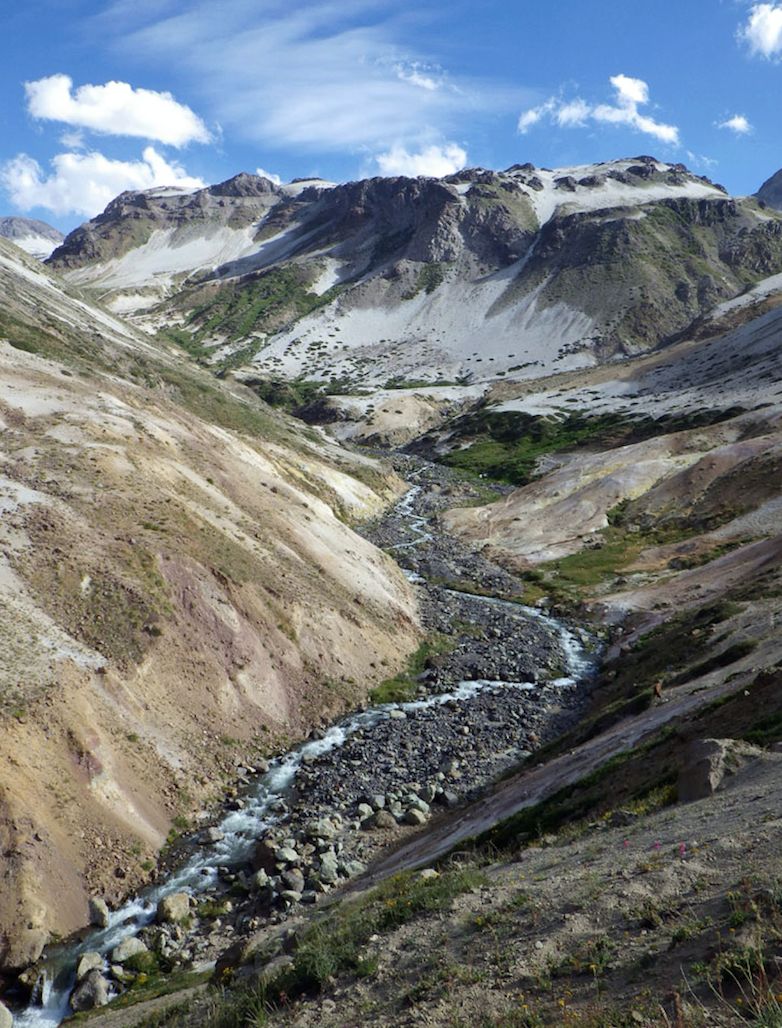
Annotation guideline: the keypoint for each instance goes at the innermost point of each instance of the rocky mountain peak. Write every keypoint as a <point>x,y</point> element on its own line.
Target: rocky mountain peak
<point>771,191</point>
<point>244,184</point>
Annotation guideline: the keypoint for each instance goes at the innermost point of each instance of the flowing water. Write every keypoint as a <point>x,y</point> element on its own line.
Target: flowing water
<point>263,806</point>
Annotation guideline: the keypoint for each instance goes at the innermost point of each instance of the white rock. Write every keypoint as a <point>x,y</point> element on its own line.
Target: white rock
<point>91,961</point>
<point>126,949</point>
<point>99,912</point>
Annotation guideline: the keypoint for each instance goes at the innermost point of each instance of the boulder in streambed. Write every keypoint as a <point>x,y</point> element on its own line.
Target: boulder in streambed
<point>126,949</point>
<point>99,912</point>
<point>173,909</point>
<point>265,856</point>
<point>91,992</point>
<point>90,961</point>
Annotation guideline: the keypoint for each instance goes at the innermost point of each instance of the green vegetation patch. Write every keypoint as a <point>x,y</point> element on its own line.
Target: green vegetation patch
<point>429,278</point>
<point>260,303</point>
<point>402,687</point>
<point>506,445</point>
<point>49,341</point>
<point>148,987</point>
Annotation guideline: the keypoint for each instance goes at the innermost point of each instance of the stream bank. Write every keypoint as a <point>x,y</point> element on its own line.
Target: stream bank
<point>503,681</point>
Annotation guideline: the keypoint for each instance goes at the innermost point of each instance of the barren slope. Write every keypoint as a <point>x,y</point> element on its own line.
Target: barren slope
<point>178,580</point>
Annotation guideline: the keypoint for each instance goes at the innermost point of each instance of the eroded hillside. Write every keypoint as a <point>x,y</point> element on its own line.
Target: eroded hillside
<point>180,590</point>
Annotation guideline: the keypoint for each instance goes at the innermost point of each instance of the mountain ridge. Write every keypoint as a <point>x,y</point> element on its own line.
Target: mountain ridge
<point>472,276</point>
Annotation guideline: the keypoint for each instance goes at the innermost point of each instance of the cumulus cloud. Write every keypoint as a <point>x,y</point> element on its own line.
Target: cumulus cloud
<point>269,175</point>
<point>116,109</point>
<point>738,124</point>
<point>630,94</point>
<point>763,30</point>
<point>83,183</point>
<point>434,161</point>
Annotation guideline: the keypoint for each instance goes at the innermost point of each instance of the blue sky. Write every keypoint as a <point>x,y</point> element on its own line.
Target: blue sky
<point>98,97</point>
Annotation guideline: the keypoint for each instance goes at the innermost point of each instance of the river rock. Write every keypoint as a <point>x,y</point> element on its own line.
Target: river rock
<point>91,961</point>
<point>128,948</point>
<point>290,897</point>
<point>99,912</point>
<point>92,992</point>
<point>382,819</point>
<point>415,817</point>
<point>287,855</point>
<point>213,835</point>
<point>265,856</point>
<point>329,867</point>
<point>260,879</point>
<point>274,969</point>
<point>416,803</point>
<point>6,1018</point>
<point>353,868</point>
<point>321,829</point>
<point>293,879</point>
<point>173,909</point>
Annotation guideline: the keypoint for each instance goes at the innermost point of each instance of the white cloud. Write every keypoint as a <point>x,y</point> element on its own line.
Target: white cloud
<point>531,117</point>
<point>763,30</point>
<point>269,175</point>
<point>83,183</point>
<point>73,139</point>
<point>317,75</point>
<point>573,114</point>
<point>629,91</point>
<point>630,94</point>
<point>416,75</point>
<point>434,161</point>
<point>116,109</point>
<point>738,124</point>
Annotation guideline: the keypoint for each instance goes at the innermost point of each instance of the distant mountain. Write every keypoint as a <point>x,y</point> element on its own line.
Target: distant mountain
<point>35,237</point>
<point>475,276</point>
<point>771,191</point>
<point>145,244</point>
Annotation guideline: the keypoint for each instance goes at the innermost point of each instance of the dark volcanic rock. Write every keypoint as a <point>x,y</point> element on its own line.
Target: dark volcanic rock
<point>771,191</point>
